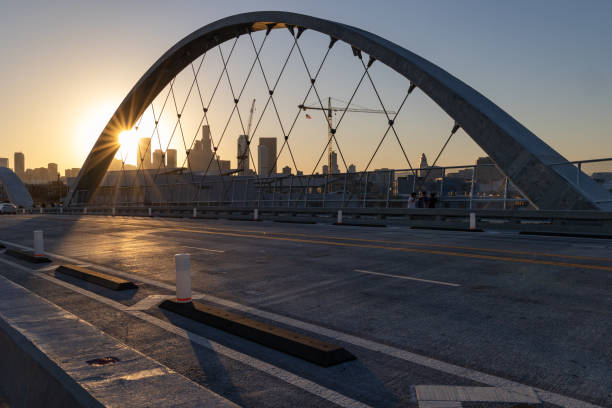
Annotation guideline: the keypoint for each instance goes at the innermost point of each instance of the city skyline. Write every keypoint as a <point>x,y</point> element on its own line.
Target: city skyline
<point>535,61</point>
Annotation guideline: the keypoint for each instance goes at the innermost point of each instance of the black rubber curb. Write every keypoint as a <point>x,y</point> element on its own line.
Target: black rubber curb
<point>2,246</point>
<point>242,219</point>
<point>99,278</point>
<point>296,221</point>
<point>447,228</point>
<point>298,345</point>
<point>357,224</point>
<point>566,234</point>
<point>26,256</point>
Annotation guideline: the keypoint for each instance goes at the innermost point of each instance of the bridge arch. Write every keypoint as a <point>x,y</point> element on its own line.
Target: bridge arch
<point>542,175</point>
<point>15,189</point>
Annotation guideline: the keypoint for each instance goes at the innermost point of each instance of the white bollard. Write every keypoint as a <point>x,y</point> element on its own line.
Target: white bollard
<point>195,212</point>
<point>183,278</point>
<point>149,211</point>
<point>61,210</point>
<point>41,210</point>
<point>339,216</point>
<point>255,214</point>
<point>84,210</point>
<point>39,247</point>
<point>472,221</point>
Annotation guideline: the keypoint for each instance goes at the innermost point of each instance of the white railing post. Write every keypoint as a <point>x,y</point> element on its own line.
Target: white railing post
<point>255,214</point>
<point>195,212</point>
<point>472,221</point>
<point>39,247</point>
<point>339,217</point>
<point>183,278</point>
<point>150,212</point>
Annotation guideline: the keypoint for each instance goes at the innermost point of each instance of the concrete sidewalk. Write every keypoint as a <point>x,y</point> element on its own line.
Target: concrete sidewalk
<point>51,361</point>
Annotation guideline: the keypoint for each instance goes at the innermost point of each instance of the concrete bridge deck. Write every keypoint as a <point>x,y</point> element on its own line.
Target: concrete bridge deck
<point>487,315</point>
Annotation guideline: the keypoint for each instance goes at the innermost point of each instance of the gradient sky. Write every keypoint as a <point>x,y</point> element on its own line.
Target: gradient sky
<point>66,66</point>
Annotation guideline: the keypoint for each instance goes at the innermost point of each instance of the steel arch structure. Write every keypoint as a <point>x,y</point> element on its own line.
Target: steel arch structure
<point>539,172</point>
<point>16,191</point>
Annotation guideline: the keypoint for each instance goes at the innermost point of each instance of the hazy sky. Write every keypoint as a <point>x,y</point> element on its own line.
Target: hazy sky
<point>65,67</point>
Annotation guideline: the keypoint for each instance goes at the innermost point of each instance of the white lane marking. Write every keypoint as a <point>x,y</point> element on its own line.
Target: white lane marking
<point>476,394</point>
<point>407,278</point>
<point>149,302</point>
<point>203,249</point>
<point>474,375</point>
<point>272,370</point>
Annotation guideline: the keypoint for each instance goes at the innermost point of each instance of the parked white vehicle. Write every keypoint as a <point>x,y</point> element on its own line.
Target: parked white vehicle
<point>8,208</point>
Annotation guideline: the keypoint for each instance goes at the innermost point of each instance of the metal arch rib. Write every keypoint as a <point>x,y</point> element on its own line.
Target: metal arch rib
<point>524,158</point>
<point>15,189</point>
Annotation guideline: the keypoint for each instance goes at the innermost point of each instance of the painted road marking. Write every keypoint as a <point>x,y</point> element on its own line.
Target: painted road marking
<point>407,278</point>
<point>405,243</point>
<point>438,365</point>
<point>412,250</point>
<point>149,302</point>
<point>272,370</point>
<point>429,394</point>
<point>203,249</point>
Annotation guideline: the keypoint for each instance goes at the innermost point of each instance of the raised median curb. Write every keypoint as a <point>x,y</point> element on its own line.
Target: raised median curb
<point>51,358</point>
<point>359,224</point>
<point>567,234</point>
<point>26,255</point>
<point>439,228</point>
<point>298,345</point>
<point>98,278</point>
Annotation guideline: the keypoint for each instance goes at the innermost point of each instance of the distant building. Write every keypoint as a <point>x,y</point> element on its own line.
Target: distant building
<point>19,163</point>
<point>159,161</point>
<point>431,172</point>
<point>224,166</point>
<point>299,173</point>
<point>200,157</point>
<point>325,169</point>
<point>334,163</point>
<point>53,173</point>
<point>171,161</point>
<point>4,162</point>
<point>143,160</point>
<point>352,168</point>
<point>74,172</point>
<point>243,154</point>
<point>266,156</point>
<point>286,171</point>
<point>486,171</point>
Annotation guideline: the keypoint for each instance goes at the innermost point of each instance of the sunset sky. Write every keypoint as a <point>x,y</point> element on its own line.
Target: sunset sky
<point>66,66</point>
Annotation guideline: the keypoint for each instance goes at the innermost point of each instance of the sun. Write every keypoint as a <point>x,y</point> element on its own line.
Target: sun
<point>128,141</point>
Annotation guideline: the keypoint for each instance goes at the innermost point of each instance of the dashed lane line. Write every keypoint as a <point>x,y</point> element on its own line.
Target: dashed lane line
<point>438,365</point>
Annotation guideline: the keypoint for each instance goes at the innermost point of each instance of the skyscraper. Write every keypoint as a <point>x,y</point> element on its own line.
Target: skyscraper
<point>158,159</point>
<point>52,171</point>
<point>201,157</point>
<point>266,156</point>
<point>243,154</point>
<point>143,160</point>
<point>171,158</point>
<point>19,163</point>
<point>4,162</point>
<point>334,163</point>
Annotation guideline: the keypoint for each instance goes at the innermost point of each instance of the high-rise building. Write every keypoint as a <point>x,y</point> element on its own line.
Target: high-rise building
<point>4,162</point>
<point>352,168</point>
<point>143,160</point>
<point>334,163</point>
<point>171,158</point>
<point>158,159</point>
<point>201,156</point>
<point>243,154</point>
<point>19,163</point>
<point>423,165</point>
<point>286,171</point>
<point>325,169</point>
<point>52,170</point>
<point>266,156</point>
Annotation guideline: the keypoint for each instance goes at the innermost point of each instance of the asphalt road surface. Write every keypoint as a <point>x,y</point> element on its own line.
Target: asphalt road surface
<point>426,313</point>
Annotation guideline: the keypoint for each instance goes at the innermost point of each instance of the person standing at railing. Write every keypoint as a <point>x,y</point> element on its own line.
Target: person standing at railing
<point>433,201</point>
<point>412,200</point>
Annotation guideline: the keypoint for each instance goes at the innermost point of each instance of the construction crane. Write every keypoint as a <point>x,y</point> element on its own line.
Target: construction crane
<point>330,128</point>
<point>243,144</point>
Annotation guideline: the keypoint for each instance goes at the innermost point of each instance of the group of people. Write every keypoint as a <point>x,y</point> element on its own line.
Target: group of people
<point>422,200</point>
